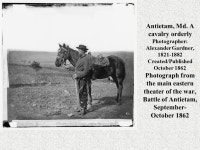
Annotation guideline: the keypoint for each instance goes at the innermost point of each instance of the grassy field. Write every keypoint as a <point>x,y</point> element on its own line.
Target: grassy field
<point>49,92</point>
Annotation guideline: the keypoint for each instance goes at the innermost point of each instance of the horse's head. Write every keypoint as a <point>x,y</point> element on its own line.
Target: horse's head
<point>62,56</point>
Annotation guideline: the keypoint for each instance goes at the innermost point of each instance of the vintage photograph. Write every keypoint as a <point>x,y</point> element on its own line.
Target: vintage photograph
<point>68,62</point>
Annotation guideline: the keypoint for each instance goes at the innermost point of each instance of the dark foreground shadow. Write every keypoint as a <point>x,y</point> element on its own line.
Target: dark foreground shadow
<point>103,102</point>
<point>107,108</point>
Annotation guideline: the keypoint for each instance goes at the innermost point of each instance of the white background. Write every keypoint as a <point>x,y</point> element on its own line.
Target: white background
<point>101,28</point>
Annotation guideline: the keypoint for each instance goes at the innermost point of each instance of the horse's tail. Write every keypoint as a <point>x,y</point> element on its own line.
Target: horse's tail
<point>123,69</point>
<point>119,64</point>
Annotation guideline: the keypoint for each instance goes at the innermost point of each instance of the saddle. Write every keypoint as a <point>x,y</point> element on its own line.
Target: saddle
<point>98,60</point>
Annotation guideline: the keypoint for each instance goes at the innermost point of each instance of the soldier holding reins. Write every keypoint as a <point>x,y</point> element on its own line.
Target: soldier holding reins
<point>82,70</point>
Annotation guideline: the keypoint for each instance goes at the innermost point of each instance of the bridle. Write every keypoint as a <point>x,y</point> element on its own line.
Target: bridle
<point>65,53</point>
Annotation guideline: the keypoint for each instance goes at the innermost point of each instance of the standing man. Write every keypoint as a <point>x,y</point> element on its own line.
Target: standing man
<point>82,72</point>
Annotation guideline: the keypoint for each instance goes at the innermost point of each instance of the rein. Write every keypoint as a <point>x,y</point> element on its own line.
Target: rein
<point>67,52</point>
<point>71,74</point>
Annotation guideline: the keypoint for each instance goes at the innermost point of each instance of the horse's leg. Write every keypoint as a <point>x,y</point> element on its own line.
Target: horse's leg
<point>117,84</point>
<point>120,88</point>
<point>89,95</point>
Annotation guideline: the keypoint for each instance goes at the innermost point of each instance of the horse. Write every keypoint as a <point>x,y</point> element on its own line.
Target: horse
<point>116,69</point>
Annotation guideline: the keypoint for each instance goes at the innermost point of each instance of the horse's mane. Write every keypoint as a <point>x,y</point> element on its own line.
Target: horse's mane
<point>68,47</point>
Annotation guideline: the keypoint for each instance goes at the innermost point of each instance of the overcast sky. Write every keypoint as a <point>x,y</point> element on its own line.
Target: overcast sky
<point>101,28</point>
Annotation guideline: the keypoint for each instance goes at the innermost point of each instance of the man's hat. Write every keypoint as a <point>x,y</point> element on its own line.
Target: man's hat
<point>82,47</point>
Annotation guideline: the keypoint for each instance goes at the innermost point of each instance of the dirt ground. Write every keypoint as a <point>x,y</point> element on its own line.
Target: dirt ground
<point>49,93</point>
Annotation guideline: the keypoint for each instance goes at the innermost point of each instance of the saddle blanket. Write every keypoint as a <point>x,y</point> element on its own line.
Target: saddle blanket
<point>98,60</point>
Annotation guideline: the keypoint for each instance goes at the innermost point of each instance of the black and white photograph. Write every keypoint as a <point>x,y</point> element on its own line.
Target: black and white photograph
<point>68,64</point>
